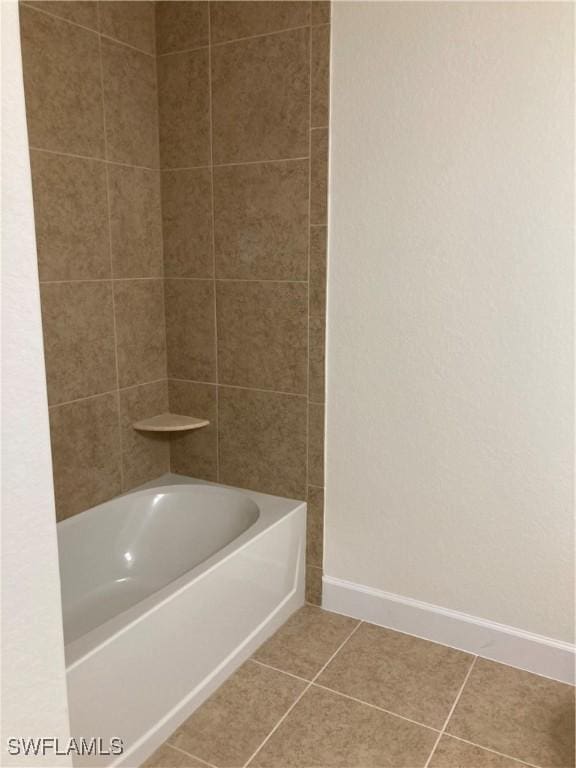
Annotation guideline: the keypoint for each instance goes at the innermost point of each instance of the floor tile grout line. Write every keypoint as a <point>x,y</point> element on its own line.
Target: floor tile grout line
<point>344,695</point>
<point>375,706</point>
<point>451,712</point>
<point>299,698</point>
<point>494,751</point>
<point>188,754</point>
<point>277,669</point>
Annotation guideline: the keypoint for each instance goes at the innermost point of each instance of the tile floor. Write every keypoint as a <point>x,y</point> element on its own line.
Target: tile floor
<point>327,690</point>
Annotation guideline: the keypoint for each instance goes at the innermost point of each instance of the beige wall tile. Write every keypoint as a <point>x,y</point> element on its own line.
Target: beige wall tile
<point>231,20</point>
<point>313,585</point>
<point>320,12</point>
<point>131,22</point>
<point>261,98</point>
<point>517,713</point>
<point>85,438</point>
<point>306,641</point>
<point>181,25</point>
<point>262,441</point>
<point>261,220</point>
<point>319,177</point>
<point>140,331</point>
<point>262,335</point>
<point>71,217</point>
<point>227,729</point>
<point>316,444</point>
<point>82,12</point>
<point>187,223</point>
<point>400,673</point>
<point>315,526</point>
<point>135,221</point>
<point>316,358</point>
<point>318,271</point>
<point>190,330</point>
<point>451,753</point>
<point>78,326</point>
<point>184,109</point>
<point>131,104</point>
<point>62,85</point>
<point>320,76</point>
<point>194,453</point>
<point>145,455</point>
<point>327,730</point>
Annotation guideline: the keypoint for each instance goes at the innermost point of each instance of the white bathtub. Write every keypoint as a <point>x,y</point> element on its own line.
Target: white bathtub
<point>165,591</point>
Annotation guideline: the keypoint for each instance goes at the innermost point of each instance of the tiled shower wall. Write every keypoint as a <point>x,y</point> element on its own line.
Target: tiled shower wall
<point>92,113</point>
<point>243,149</point>
<point>243,132</point>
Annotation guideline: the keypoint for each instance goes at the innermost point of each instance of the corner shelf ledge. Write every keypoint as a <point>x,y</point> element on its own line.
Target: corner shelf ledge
<point>169,422</point>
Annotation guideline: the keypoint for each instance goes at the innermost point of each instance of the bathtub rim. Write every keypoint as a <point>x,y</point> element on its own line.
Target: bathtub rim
<point>272,511</point>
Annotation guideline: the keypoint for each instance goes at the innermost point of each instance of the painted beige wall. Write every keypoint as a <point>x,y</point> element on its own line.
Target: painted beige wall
<point>34,702</point>
<point>449,395</point>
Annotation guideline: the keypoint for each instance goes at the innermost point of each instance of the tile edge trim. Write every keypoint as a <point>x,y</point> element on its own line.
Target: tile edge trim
<point>489,640</point>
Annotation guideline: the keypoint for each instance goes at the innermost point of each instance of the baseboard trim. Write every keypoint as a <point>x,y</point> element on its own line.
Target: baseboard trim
<point>498,642</point>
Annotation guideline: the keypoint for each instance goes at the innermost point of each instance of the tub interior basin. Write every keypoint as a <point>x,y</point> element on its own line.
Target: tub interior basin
<point>118,553</point>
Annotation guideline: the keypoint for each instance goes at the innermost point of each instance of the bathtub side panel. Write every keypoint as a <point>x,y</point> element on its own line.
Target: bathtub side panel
<point>153,675</point>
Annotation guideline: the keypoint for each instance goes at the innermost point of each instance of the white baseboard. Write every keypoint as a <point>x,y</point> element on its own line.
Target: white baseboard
<point>487,639</point>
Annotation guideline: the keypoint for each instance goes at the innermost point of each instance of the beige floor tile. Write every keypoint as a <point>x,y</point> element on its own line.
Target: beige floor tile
<point>404,674</point>
<point>451,753</point>
<point>167,757</point>
<point>325,729</point>
<point>517,713</point>
<point>231,725</point>
<point>306,642</point>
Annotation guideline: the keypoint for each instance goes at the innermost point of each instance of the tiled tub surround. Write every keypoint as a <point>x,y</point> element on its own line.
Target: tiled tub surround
<point>327,690</point>
<point>243,94</point>
<point>181,210</point>
<point>92,110</point>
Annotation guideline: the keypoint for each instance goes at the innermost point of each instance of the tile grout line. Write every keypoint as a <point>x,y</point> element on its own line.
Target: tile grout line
<point>237,39</point>
<point>307,473</point>
<point>391,713</point>
<point>88,29</point>
<point>342,694</point>
<point>494,751</point>
<point>277,669</point>
<point>168,277</point>
<point>109,211</point>
<point>451,712</point>
<point>95,159</point>
<point>265,161</point>
<point>108,392</point>
<point>236,386</point>
<point>213,226</point>
<point>164,304</point>
<point>307,688</point>
<point>188,754</point>
<point>375,706</point>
